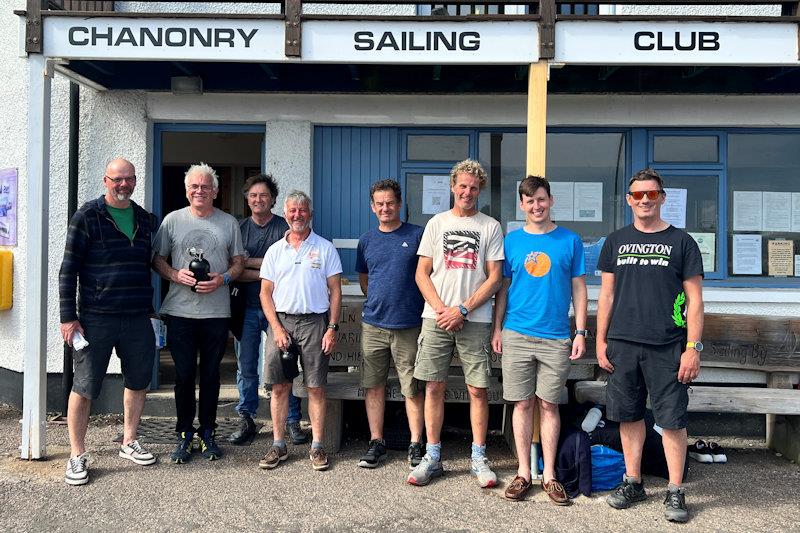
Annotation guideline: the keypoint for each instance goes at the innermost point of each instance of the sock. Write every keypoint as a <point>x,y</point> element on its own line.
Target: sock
<point>674,488</point>
<point>478,451</point>
<point>434,450</point>
<point>633,479</point>
<point>279,444</point>
<point>316,444</point>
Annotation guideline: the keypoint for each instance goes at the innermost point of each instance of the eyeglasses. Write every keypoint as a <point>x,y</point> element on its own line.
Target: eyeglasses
<point>117,181</point>
<point>651,195</point>
<point>196,187</point>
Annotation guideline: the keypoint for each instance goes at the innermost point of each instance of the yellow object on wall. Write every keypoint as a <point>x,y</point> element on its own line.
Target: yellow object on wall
<point>6,279</point>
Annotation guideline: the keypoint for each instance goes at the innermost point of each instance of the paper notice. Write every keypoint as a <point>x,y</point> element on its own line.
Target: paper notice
<point>776,214</point>
<point>747,254</point>
<point>797,265</point>
<point>674,208</point>
<point>707,244</point>
<point>796,214</point>
<point>588,202</point>
<point>780,254</point>
<point>435,194</point>
<point>563,206</point>
<point>747,211</point>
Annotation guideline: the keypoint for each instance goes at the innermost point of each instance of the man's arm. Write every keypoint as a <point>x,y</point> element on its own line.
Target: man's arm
<point>425,284</point>
<point>580,303</point>
<point>217,280</point>
<point>604,303</point>
<point>335,290</point>
<point>363,280</point>
<point>74,254</point>
<point>252,266</point>
<point>500,302</point>
<point>690,358</point>
<point>282,339</point>
<point>183,276</point>
<point>451,319</point>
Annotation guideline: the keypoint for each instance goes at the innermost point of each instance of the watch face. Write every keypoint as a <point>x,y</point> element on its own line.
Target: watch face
<point>698,346</point>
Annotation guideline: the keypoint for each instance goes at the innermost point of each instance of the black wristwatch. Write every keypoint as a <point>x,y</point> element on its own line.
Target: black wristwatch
<point>334,327</point>
<point>584,332</point>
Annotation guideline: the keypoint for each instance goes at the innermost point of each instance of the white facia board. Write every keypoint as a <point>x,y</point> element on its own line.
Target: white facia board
<point>676,43</point>
<point>242,40</point>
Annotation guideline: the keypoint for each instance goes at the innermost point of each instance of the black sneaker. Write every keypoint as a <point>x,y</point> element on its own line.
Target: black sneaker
<point>208,445</point>
<point>296,434</point>
<point>675,506</point>
<point>246,432</point>
<point>416,451</point>
<point>626,494</point>
<point>700,452</point>
<point>183,451</point>
<point>376,453</point>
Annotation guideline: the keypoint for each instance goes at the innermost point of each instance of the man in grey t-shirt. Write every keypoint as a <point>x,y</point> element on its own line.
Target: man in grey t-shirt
<point>198,312</point>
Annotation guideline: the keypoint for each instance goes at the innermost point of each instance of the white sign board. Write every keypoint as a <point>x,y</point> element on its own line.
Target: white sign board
<point>676,43</point>
<point>242,40</point>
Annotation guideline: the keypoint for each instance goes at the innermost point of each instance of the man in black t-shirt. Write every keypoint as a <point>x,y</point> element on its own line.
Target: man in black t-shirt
<point>650,305</point>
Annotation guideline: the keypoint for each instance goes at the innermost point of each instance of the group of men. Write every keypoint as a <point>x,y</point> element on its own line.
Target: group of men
<point>428,295</point>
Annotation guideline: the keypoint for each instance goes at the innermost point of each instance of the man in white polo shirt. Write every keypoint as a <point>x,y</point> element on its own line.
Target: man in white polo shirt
<point>301,296</point>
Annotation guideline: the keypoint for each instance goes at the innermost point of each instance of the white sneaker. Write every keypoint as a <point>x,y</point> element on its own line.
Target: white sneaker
<point>77,470</point>
<point>486,477</point>
<point>133,451</point>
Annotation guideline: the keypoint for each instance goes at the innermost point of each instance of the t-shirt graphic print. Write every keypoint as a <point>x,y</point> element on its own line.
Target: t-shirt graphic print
<point>461,249</point>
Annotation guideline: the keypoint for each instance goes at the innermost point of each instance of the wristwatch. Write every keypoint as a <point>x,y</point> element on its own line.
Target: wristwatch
<point>334,327</point>
<point>697,345</point>
<point>463,310</point>
<point>583,332</point>
<point>226,278</point>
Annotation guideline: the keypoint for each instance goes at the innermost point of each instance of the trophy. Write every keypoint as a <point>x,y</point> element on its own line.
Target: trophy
<point>199,266</point>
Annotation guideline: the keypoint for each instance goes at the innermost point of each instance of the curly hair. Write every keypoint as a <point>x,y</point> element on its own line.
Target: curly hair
<point>468,166</point>
<point>386,185</point>
<point>267,180</point>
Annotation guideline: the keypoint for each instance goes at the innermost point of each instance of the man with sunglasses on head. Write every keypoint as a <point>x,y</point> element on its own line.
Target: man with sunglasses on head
<point>107,263</point>
<point>649,329</point>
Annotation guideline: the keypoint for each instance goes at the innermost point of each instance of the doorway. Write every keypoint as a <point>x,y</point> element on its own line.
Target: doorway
<point>235,152</point>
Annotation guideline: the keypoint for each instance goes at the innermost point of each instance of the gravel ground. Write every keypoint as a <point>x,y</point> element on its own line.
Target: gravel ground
<point>755,491</point>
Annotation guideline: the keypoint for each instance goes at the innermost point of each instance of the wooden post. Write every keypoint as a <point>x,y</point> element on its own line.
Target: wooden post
<point>535,165</point>
<point>783,431</point>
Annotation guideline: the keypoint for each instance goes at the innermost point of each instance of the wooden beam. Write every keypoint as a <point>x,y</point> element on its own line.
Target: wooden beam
<point>537,119</point>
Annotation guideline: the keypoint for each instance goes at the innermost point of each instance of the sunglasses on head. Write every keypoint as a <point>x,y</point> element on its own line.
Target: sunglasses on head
<point>651,195</point>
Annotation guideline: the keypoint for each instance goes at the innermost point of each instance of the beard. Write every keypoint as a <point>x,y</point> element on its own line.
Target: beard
<point>122,196</point>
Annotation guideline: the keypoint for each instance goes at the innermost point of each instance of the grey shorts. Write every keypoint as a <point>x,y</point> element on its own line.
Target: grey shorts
<point>307,332</point>
<point>435,352</point>
<point>134,341</point>
<point>379,346</point>
<point>534,366</point>
<point>640,369</point>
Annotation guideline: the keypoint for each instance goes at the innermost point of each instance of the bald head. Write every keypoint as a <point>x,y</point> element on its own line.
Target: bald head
<point>120,165</point>
<point>119,180</point>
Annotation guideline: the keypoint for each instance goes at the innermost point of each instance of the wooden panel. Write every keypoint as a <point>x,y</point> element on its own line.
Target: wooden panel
<point>537,119</point>
<point>703,399</point>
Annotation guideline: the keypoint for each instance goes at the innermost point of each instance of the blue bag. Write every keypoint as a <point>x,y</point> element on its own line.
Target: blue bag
<point>608,467</point>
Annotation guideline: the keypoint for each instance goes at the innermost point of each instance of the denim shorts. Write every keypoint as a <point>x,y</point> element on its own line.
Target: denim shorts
<point>131,336</point>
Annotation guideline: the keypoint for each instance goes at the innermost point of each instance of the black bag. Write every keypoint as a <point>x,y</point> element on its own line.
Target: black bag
<point>238,304</point>
<point>289,360</point>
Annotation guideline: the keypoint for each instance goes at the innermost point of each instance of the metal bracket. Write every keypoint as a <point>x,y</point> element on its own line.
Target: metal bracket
<point>33,27</point>
<point>294,9</point>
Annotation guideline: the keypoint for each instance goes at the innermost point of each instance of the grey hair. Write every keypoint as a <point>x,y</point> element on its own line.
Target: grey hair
<point>297,197</point>
<point>203,169</point>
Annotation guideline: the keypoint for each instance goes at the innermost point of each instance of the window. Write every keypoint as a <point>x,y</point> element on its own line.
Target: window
<point>437,147</point>
<point>683,148</point>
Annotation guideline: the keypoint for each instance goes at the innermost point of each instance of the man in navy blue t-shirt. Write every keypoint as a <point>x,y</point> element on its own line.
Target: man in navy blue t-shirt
<point>386,261</point>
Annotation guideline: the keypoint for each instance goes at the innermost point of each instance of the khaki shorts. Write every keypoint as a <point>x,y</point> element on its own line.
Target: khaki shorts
<point>436,347</point>
<point>534,366</point>
<point>306,331</point>
<point>379,346</point>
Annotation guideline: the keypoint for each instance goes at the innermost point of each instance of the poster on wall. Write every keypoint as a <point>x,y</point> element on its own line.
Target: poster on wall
<point>435,194</point>
<point>674,208</point>
<point>747,254</point>
<point>780,254</point>
<point>8,206</point>
<point>707,244</point>
<point>563,196</point>
<point>588,202</point>
<point>747,211</point>
<point>777,216</point>
<point>796,212</point>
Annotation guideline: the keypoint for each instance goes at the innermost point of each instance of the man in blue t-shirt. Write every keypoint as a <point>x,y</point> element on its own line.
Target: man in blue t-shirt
<point>386,261</point>
<point>544,269</point>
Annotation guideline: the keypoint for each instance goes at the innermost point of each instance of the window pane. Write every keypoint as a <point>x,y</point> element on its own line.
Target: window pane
<point>438,147</point>
<point>701,212</point>
<point>763,200</point>
<point>675,149</point>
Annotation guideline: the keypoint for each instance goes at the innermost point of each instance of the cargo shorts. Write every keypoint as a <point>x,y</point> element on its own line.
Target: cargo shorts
<point>379,346</point>
<point>435,352</point>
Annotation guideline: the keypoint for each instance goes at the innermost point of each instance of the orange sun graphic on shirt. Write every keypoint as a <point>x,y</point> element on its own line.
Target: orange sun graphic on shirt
<point>537,264</point>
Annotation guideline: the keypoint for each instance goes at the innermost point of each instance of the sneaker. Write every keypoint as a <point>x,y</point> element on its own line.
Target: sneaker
<point>208,445</point>
<point>700,452</point>
<point>245,433</point>
<point>296,434</point>
<point>133,451</point>
<point>319,459</point>
<point>416,450</point>
<point>273,458</point>
<point>675,506</point>
<point>555,491</point>
<point>183,451</point>
<point>626,494</point>
<point>426,470</point>
<point>77,470</point>
<point>480,469</point>
<point>717,453</point>
<point>518,488</point>
<point>376,454</point>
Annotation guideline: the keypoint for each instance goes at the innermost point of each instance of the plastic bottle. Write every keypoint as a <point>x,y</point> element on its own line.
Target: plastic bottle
<point>592,418</point>
<point>79,342</point>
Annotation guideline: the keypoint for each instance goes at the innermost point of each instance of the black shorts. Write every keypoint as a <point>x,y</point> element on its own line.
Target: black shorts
<point>133,338</point>
<point>642,368</point>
